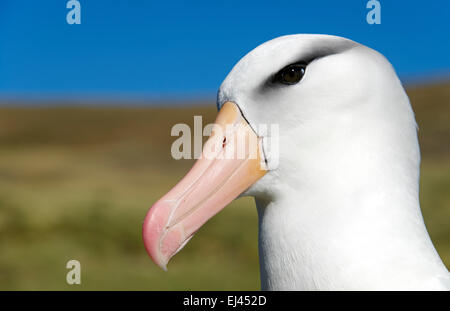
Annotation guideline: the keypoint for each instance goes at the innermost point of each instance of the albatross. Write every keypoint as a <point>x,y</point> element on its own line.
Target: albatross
<point>338,203</point>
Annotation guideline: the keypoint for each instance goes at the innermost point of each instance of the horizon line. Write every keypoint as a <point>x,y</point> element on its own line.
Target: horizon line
<point>154,99</point>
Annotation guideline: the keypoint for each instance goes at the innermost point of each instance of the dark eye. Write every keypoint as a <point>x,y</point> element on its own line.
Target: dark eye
<point>291,74</point>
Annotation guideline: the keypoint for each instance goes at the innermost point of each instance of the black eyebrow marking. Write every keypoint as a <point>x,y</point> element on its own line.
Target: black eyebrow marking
<point>315,54</point>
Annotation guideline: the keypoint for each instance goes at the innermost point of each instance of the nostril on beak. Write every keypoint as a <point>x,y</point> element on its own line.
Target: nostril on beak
<point>224,142</point>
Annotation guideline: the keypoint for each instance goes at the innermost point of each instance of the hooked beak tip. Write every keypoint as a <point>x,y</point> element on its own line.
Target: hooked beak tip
<point>151,234</point>
<point>157,256</point>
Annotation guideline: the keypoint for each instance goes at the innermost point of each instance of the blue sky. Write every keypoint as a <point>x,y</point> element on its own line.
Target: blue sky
<point>167,49</point>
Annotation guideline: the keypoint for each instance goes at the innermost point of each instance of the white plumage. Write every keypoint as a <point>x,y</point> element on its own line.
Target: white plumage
<point>341,210</point>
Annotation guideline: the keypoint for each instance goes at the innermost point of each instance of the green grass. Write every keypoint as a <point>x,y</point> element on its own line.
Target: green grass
<point>76,183</point>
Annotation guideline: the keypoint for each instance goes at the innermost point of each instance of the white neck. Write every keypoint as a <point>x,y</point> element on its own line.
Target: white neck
<point>331,240</point>
<point>345,214</point>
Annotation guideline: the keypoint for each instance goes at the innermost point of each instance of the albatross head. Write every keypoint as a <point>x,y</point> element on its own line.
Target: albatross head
<point>338,106</point>
<point>342,185</point>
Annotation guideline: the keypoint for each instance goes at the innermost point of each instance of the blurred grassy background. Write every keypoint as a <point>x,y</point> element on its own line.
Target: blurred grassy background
<point>76,182</point>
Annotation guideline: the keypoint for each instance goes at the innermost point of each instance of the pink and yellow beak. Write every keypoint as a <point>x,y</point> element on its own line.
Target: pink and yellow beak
<point>231,161</point>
